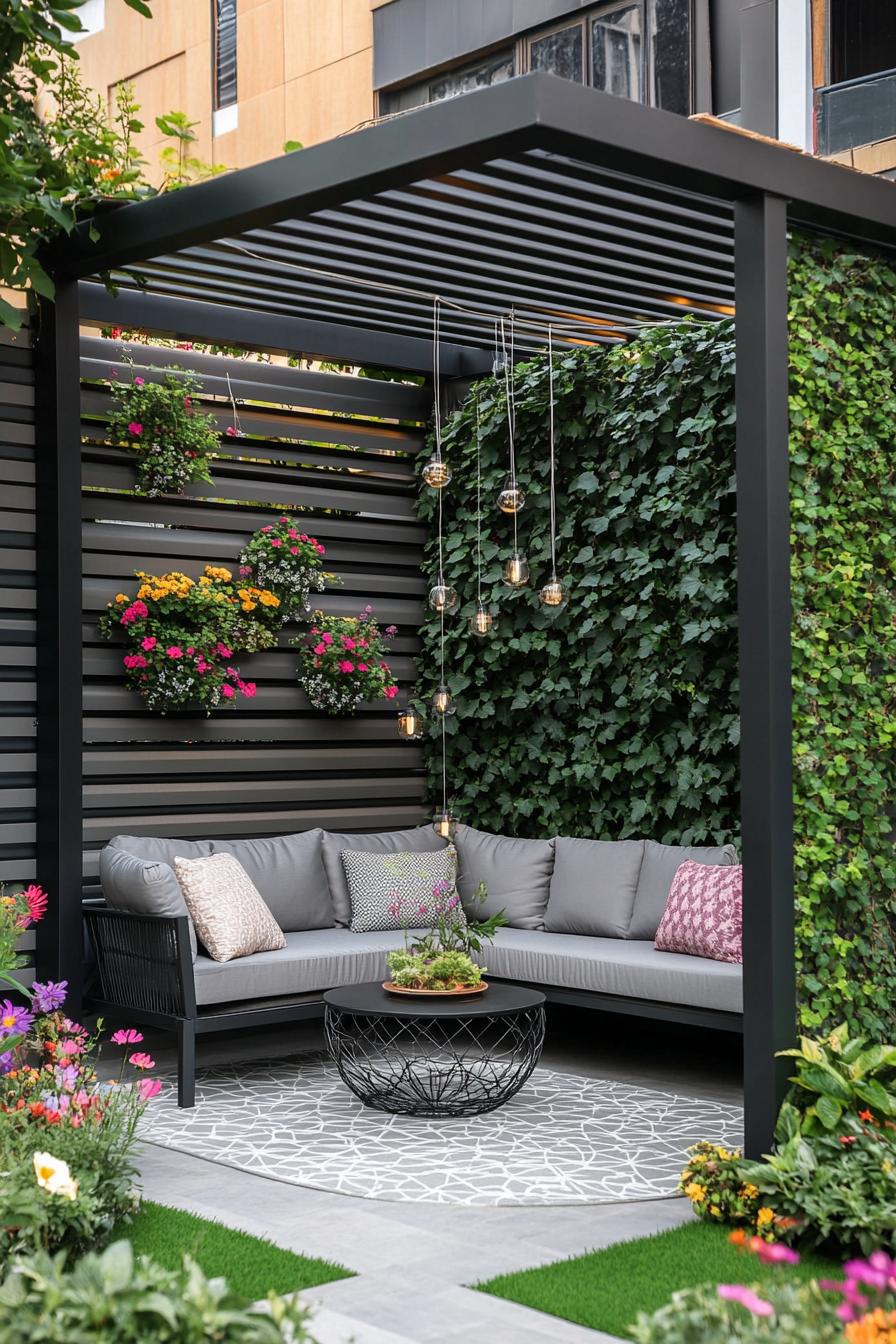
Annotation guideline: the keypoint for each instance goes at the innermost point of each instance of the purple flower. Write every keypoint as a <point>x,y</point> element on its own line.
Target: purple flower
<point>737,1292</point>
<point>13,1018</point>
<point>47,998</point>
<point>7,1063</point>
<point>67,1077</point>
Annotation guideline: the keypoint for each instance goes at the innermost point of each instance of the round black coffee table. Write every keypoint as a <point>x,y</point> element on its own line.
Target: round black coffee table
<point>434,1057</point>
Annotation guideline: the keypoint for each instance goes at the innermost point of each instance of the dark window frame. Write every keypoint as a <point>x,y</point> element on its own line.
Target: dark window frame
<point>225,86</point>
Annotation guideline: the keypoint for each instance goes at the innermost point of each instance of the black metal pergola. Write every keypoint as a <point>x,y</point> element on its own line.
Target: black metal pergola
<point>559,204</point>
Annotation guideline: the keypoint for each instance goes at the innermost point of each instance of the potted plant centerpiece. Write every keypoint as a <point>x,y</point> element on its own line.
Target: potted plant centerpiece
<point>439,961</point>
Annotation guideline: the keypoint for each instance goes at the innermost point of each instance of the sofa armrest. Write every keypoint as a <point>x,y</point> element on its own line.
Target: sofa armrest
<point>144,962</point>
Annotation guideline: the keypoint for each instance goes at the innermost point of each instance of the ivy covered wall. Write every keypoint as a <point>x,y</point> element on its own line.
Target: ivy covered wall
<point>618,717</point>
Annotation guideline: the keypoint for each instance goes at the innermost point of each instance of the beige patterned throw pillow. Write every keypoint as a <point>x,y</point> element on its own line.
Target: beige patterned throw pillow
<point>230,916</point>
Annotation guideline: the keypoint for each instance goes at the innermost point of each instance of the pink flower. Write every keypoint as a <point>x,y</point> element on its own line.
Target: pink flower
<point>190,649</point>
<point>71,1047</point>
<point>138,382</point>
<point>148,643</point>
<point>362,667</point>
<point>293,550</point>
<point>136,611</point>
<point>202,666</point>
<point>227,691</point>
<point>268,528</point>
<point>132,660</point>
<point>327,637</point>
<point>737,1292</point>
<point>422,910</point>
<point>223,650</point>
<point>348,643</point>
<point>362,643</point>
<point>391,629</point>
<point>173,651</point>
<point>141,1060</point>
<point>148,1088</point>
<point>126,1036</point>
<point>320,549</point>
<point>135,428</point>
<point>275,542</point>
<point>292,534</point>
<point>303,536</point>
<point>346,666</point>
<point>774,1253</point>
<point>231,431</point>
<point>391,692</point>
<point>283,518</point>
<point>245,570</point>
<point>319,649</point>
<point>248,688</point>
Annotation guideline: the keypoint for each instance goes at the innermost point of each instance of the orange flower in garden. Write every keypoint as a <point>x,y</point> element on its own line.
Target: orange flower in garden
<point>867,1117</point>
<point>877,1327</point>
<point>738,1237</point>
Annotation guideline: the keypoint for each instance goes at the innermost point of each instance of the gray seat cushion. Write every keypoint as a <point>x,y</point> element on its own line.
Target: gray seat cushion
<point>288,871</point>
<point>631,968</point>
<point>517,874</point>
<point>315,960</point>
<point>137,875</point>
<point>593,886</point>
<point>661,862</point>
<point>422,840</point>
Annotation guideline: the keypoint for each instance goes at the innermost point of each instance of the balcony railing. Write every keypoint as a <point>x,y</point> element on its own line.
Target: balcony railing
<point>857,112</point>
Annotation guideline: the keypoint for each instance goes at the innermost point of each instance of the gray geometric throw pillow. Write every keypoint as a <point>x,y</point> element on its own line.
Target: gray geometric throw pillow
<point>395,891</point>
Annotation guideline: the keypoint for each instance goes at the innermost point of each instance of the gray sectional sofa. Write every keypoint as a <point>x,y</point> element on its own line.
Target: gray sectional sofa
<point>582,918</point>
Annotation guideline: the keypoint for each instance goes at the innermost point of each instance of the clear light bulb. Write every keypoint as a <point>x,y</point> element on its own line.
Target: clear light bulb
<point>482,621</point>
<point>445,825</point>
<point>443,701</point>
<point>442,598</point>
<point>410,724</point>
<point>553,596</point>
<point>437,472</point>
<point>511,499</point>
<point>516,570</point>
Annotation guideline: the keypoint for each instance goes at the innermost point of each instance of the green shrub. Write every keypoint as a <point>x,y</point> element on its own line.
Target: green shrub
<point>112,1299</point>
<point>802,1314</point>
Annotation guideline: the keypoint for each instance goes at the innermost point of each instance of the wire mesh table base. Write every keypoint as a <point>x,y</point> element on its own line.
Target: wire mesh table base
<point>438,1067</point>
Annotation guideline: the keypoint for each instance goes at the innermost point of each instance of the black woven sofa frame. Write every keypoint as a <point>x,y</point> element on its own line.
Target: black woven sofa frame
<point>145,974</point>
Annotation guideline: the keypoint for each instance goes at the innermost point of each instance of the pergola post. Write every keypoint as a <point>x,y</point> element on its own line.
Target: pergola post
<point>59,608</point>
<point>763,568</point>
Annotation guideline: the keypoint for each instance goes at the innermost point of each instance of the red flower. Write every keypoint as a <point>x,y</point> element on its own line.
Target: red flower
<point>847,1140</point>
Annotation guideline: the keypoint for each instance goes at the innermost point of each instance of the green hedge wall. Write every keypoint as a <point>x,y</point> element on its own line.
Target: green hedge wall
<point>619,717</point>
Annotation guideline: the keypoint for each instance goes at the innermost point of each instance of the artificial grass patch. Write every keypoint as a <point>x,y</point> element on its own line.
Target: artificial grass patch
<point>251,1265</point>
<point>606,1289</point>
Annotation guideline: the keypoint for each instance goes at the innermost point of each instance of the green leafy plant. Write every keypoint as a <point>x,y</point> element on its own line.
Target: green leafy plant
<point>160,423</point>
<point>182,168</point>
<point>59,155</point>
<point>183,635</point>
<point>842,1075</point>
<point>444,970</point>
<point>439,954</point>
<point>342,662</point>
<point>282,557</point>
<point>714,1182</point>
<point>114,1296</point>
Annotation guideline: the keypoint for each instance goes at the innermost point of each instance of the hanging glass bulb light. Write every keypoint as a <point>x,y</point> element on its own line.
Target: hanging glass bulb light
<point>482,621</point>
<point>442,700</point>
<point>511,499</point>
<point>516,570</point>
<point>553,595</point>
<point>442,598</point>
<point>410,724</point>
<point>445,825</point>
<point>437,472</point>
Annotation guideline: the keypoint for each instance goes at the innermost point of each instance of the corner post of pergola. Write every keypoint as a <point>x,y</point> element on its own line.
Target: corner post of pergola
<point>59,948</point>
<point>764,618</point>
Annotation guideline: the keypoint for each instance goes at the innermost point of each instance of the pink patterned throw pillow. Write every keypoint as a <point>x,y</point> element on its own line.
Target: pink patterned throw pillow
<point>704,913</point>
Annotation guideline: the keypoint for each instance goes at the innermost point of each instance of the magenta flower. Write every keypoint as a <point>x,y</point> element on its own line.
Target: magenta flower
<point>738,1292</point>
<point>391,629</point>
<point>320,549</point>
<point>362,667</point>
<point>268,528</point>
<point>141,1060</point>
<point>36,900</point>
<point>245,571</point>
<point>173,651</point>
<point>774,1253</point>
<point>132,660</point>
<point>223,650</point>
<point>293,550</point>
<point>422,910</point>
<point>391,692</point>
<point>14,1019</point>
<point>46,998</point>
<point>348,643</point>
<point>248,688</point>
<point>126,1036</point>
<point>293,534</point>
<point>231,431</point>
<point>149,643</point>
<point>227,691</point>
<point>148,1088</point>
<point>346,666</point>
<point>138,382</point>
<point>135,429</point>
<point>327,637</point>
<point>319,649</point>
<point>275,541</point>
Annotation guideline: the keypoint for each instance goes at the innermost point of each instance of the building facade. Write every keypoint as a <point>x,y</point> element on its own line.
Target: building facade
<point>255,74</point>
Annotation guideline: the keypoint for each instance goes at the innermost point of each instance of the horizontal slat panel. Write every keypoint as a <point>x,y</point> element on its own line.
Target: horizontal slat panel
<point>242,760</point>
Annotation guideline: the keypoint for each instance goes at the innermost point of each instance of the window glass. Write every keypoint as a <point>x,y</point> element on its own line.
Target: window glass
<point>670,44</point>
<point>863,38</point>
<point>616,52</point>
<point>494,71</point>
<point>225,52</point>
<point>560,53</point>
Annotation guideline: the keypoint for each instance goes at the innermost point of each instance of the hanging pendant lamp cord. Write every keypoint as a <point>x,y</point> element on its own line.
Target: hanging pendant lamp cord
<point>437,376</point>
<point>553,475</point>
<point>443,716</point>
<point>508,393</point>
<point>478,507</point>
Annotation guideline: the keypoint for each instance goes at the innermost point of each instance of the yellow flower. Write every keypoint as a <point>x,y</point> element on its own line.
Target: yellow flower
<point>695,1193</point>
<point>700,1159</point>
<point>765,1216</point>
<point>54,1176</point>
<point>219,573</point>
<point>121,597</point>
<point>748,1191</point>
<point>268,599</point>
<point>143,591</point>
<point>249,606</point>
<point>205,581</point>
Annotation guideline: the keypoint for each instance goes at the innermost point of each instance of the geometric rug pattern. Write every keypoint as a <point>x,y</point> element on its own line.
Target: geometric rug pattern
<point>563,1139</point>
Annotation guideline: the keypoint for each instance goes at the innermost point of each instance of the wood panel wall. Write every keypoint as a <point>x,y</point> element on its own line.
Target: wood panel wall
<point>336,448</point>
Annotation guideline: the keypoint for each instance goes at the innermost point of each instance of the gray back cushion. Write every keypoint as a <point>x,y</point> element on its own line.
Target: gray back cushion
<point>593,886</point>
<point>517,874</point>
<point>423,840</point>
<point>288,871</point>
<point>141,886</point>
<point>661,862</point>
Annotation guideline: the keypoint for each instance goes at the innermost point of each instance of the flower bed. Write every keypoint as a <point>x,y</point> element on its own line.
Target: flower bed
<point>342,662</point>
<point>182,637</point>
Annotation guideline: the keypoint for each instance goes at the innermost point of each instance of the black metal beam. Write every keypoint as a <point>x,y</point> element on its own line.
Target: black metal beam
<point>261,330</point>
<point>535,111</point>
<point>763,568</point>
<point>58,507</point>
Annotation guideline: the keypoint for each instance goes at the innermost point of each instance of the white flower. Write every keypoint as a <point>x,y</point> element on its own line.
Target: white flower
<point>53,1175</point>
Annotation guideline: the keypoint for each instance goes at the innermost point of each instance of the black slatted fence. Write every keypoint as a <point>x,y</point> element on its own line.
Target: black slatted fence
<point>339,450</point>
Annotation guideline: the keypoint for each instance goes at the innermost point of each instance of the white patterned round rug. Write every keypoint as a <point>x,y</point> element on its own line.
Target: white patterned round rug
<point>563,1140</point>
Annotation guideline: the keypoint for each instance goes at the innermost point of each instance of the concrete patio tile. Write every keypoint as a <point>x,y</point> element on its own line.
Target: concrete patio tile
<point>331,1327</point>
